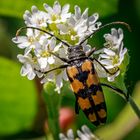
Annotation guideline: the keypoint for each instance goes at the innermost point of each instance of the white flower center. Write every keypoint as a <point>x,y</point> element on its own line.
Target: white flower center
<point>55,17</point>
<point>45,53</point>
<point>34,59</point>
<point>31,39</point>
<point>115,59</point>
<point>40,21</point>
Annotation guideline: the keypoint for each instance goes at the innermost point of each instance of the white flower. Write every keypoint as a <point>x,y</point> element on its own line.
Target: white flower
<point>57,14</point>
<point>57,76</point>
<point>112,56</point>
<point>43,52</point>
<point>29,66</point>
<point>87,24</point>
<point>70,135</point>
<point>27,42</point>
<point>37,18</point>
<point>85,134</point>
<point>59,80</point>
<point>92,24</point>
<point>79,25</point>
<point>114,39</point>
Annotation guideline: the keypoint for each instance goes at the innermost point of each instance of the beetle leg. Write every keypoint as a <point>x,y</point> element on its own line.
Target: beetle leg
<point>119,91</point>
<point>107,71</point>
<point>56,55</point>
<point>77,108</point>
<point>60,67</point>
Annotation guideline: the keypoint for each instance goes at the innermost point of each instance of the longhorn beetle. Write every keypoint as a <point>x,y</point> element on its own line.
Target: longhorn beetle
<point>83,78</point>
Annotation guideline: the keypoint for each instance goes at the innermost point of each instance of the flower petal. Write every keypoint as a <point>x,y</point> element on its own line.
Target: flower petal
<point>65,9</point>
<point>109,52</point>
<point>23,70</point>
<point>85,14</point>
<point>34,9</point>
<point>51,60</point>
<point>63,28</point>
<point>111,78</point>
<point>106,62</point>
<point>77,12</point>
<point>104,56</point>
<point>57,7</point>
<point>48,8</point>
<point>59,82</point>
<point>31,75</point>
<point>42,62</point>
<point>19,39</point>
<point>92,19</point>
<point>23,45</point>
<point>52,43</point>
<point>65,77</point>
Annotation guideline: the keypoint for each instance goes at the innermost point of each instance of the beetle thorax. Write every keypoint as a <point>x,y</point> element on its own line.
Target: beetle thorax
<point>76,52</point>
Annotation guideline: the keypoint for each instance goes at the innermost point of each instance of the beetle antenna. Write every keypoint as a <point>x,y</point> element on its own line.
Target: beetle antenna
<point>28,27</point>
<point>112,23</point>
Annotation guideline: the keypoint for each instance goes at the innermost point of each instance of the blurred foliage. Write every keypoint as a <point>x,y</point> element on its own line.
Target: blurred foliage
<point>17,99</point>
<point>100,6</point>
<point>18,96</point>
<point>124,123</point>
<point>137,4</point>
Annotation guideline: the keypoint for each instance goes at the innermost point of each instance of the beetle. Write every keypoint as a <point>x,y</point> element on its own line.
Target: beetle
<point>83,78</point>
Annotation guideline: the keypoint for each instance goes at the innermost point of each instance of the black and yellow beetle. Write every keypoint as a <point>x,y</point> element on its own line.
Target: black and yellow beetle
<point>83,78</point>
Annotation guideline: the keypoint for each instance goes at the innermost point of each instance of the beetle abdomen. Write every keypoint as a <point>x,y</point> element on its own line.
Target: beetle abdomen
<point>86,86</point>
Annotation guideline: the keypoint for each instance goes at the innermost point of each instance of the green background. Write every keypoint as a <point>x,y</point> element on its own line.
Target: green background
<point>22,109</point>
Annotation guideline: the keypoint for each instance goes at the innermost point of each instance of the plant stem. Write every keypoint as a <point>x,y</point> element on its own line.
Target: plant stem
<point>134,106</point>
<point>53,101</point>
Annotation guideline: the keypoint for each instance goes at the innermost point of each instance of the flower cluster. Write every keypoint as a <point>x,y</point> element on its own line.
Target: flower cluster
<point>83,134</point>
<point>112,55</point>
<point>40,47</point>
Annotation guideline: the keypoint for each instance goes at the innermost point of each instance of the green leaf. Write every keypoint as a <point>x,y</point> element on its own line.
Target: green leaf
<point>17,99</point>
<point>16,8</point>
